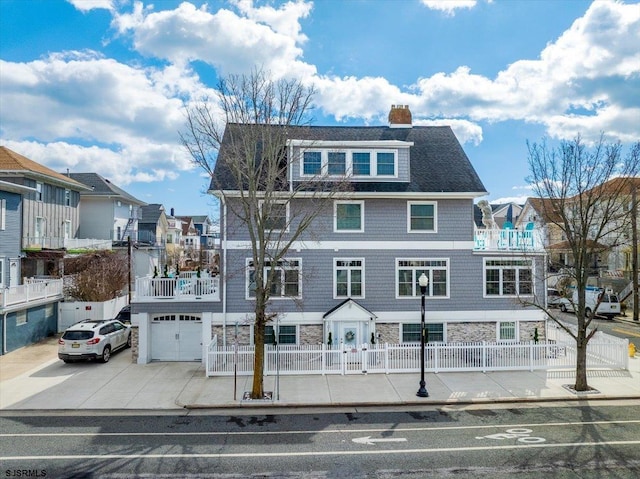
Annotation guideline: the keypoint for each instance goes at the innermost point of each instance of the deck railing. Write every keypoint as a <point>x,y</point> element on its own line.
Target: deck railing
<point>31,290</point>
<point>507,240</point>
<point>181,289</point>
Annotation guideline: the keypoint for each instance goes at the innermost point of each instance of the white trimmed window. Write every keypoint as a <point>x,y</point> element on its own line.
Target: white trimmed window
<point>67,229</point>
<point>67,197</point>
<point>348,216</point>
<point>1,271</point>
<point>287,281</point>
<point>21,317</point>
<point>361,162</point>
<point>507,277</point>
<point>411,333</point>
<point>507,331</point>
<point>277,217</point>
<point>348,278</point>
<point>422,217</point>
<point>287,334</point>
<point>409,270</point>
<point>39,187</point>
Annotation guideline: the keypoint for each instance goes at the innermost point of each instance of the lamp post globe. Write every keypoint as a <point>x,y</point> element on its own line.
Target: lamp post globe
<point>423,281</point>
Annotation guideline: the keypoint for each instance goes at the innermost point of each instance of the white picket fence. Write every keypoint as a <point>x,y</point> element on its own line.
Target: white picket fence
<point>396,358</point>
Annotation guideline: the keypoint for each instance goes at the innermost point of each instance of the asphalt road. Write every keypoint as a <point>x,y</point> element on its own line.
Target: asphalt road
<point>594,440</point>
<point>614,327</point>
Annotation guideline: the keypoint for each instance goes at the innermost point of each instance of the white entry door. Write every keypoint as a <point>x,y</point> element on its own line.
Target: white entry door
<point>176,337</point>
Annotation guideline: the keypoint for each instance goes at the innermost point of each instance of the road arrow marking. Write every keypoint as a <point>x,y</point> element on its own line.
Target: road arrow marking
<point>370,442</point>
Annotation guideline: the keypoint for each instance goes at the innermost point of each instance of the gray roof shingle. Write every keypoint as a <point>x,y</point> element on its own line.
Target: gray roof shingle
<point>438,163</point>
<point>101,186</point>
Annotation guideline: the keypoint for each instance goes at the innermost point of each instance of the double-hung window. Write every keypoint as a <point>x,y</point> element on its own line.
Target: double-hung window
<point>421,217</point>
<point>67,197</point>
<point>348,216</point>
<point>507,277</point>
<point>434,332</point>
<point>337,163</point>
<point>287,334</point>
<point>275,215</point>
<point>349,278</point>
<point>39,187</point>
<point>312,163</point>
<point>285,278</point>
<point>385,163</point>
<point>410,270</point>
<point>361,163</point>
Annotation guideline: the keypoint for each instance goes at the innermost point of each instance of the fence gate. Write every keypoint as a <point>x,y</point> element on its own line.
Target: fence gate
<point>354,359</point>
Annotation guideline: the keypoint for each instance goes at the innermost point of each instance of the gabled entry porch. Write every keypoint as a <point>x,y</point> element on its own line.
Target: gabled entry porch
<point>349,324</point>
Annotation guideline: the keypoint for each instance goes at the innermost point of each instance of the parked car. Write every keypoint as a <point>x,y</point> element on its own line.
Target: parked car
<point>124,316</point>
<point>555,298</point>
<point>93,339</point>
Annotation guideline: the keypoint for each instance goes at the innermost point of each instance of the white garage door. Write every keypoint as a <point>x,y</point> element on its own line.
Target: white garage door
<point>176,337</point>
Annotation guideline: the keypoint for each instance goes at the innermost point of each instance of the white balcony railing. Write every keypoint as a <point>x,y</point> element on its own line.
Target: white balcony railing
<point>181,289</point>
<point>50,242</point>
<point>31,290</point>
<point>508,240</point>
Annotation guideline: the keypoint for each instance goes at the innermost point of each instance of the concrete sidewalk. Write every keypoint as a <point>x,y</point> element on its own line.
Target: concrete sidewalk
<point>32,378</point>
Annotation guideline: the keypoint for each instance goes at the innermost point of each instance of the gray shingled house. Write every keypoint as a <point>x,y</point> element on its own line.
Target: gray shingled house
<point>409,211</point>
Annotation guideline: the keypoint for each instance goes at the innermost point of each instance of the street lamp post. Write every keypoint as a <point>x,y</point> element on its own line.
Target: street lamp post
<point>424,282</point>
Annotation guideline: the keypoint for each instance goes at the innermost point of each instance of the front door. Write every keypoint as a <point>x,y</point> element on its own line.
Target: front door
<point>349,334</point>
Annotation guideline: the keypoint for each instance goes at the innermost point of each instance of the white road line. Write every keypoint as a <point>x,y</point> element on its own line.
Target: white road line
<point>314,453</point>
<point>322,431</point>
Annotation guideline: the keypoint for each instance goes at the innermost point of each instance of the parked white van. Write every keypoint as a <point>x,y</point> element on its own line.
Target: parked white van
<point>609,303</point>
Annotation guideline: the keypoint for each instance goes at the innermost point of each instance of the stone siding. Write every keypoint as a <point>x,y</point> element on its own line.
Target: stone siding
<point>527,330</point>
<point>471,332</point>
<point>135,347</point>
<point>310,334</point>
<point>388,333</point>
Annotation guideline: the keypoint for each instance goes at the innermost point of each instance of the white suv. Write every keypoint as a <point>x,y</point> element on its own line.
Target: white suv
<point>93,339</point>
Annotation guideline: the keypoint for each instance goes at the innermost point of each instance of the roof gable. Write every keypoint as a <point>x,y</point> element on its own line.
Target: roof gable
<point>12,162</point>
<point>101,186</point>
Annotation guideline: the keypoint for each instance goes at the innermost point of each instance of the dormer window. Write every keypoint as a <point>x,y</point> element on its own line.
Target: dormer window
<point>352,162</point>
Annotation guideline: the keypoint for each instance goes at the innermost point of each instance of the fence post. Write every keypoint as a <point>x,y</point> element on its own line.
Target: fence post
<point>386,358</point>
<point>530,355</point>
<point>484,356</point>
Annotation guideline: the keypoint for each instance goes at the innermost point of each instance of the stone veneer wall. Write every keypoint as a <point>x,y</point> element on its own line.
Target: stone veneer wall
<point>310,334</point>
<point>134,343</point>
<point>389,333</point>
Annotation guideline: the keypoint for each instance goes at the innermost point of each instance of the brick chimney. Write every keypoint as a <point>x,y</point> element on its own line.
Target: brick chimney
<point>400,116</point>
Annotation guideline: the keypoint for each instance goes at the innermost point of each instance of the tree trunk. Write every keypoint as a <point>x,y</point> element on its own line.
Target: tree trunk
<point>257,390</point>
<point>581,360</point>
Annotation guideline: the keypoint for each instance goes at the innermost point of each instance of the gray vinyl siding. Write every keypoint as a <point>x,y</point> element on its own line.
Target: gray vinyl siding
<point>466,284</point>
<point>10,245</point>
<point>384,220</point>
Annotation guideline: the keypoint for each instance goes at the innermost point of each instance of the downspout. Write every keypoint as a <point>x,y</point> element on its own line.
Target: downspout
<point>4,333</point>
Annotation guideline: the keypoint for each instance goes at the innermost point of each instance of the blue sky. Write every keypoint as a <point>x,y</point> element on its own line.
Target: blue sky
<point>100,85</point>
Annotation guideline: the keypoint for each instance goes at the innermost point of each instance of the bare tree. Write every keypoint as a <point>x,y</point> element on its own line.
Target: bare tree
<point>586,192</point>
<point>98,276</point>
<point>241,139</point>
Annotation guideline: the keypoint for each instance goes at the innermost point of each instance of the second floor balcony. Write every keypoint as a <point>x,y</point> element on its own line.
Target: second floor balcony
<point>511,240</point>
<point>33,290</point>
<point>178,289</point>
<point>37,243</point>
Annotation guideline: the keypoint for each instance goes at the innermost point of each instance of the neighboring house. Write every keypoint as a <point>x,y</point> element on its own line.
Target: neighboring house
<point>106,211</point>
<point>150,252</point>
<point>540,213</point>
<point>190,243</point>
<point>505,215</point>
<point>209,241</point>
<point>153,225</point>
<point>28,312</point>
<point>50,213</point>
<point>174,239</point>
<point>354,274</point>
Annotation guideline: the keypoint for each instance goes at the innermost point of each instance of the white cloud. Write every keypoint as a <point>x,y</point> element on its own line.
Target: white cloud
<point>75,99</point>
<point>227,40</point>
<point>466,131</point>
<point>86,5</point>
<point>449,7</point>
